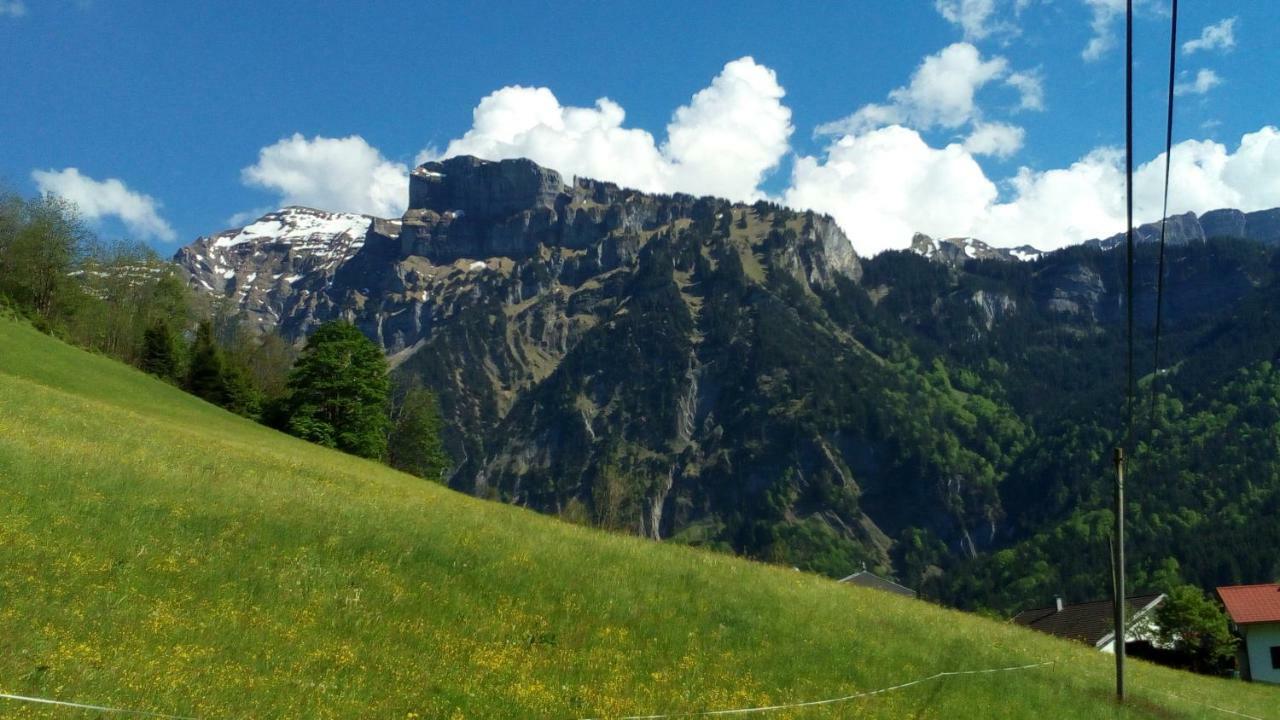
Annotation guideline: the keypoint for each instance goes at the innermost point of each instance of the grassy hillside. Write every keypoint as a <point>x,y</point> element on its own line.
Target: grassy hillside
<point>157,553</point>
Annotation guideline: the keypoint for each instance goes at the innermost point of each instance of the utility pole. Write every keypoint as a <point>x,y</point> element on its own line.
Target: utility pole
<point>1118,573</point>
<point>1118,560</point>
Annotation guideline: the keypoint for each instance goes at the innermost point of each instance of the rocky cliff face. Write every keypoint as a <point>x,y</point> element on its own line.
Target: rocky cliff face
<point>297,267</point>
<point>279,267</point>
<point>1262,226</point>
<point>1071,283</point>
<point>592,346</point>
<point>691,368</point>
<point>954,252</point>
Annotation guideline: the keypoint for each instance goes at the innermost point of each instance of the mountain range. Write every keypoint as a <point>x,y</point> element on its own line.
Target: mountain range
<point>736,376</point>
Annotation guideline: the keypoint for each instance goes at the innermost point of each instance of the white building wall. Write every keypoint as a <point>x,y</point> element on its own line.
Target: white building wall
<point>1142,628</point>
<point>1259,639</point>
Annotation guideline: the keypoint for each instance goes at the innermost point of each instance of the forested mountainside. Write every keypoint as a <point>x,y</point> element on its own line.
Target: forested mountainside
<point>1204,480</point>
<point>735,376</point>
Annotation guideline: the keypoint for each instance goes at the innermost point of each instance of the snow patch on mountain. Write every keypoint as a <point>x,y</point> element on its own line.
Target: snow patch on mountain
<point>955,251</point>
<point>264,266</point>
<point>312,230</point>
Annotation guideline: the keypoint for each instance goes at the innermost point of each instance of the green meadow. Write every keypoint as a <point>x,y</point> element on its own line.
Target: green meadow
<point>160,554</point>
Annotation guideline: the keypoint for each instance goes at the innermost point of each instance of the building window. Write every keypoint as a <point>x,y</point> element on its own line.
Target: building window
<point>1275,657</point>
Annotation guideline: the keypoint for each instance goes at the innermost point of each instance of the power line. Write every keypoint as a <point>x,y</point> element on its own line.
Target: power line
<point>1129,239</point>
<point>1164,216</point>
<point>1118,561</point>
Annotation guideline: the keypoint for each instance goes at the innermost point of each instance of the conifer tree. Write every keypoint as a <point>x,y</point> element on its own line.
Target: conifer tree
<point>242,397</point>
<point>416,445</point>
<point>725,222</point>
<point>207,375</point>
<point>159,351</point>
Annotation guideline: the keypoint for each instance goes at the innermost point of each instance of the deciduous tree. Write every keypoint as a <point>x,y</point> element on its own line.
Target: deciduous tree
<point>338,392</point>
<point>1195,626</point>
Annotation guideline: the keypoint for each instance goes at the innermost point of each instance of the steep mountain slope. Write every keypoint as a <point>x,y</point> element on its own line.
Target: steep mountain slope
<point>666,364</point>
<point>735,376</point>
<point>279,266</point>
<point>1205,470</point>
<point>159,554</point>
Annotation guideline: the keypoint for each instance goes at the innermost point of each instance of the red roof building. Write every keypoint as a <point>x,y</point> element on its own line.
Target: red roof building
<point>1255,609</point>
<point>1249,604</point>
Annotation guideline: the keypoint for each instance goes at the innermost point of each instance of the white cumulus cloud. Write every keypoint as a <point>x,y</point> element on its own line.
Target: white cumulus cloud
<point>1208,175</point>
<point>1204,81</point>
<point>97,199</point>
<point>337,174</point>
<point>723,142</point>
<point>979,19</point>
<point>880,178</point>
<point>1218,36</point>
<point>1030,87</point>
<point>731,134</point>
<point>941,93</point>
<point>1058,207</point>
<point>1104,12</point>
<point>12,8</point>
<point>973,16</point>
<point>998,139</point>
<point>530,122</point>
<point>886,184</point>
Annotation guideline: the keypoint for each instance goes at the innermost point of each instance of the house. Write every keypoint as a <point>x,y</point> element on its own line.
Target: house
<point>1255,610</point>
<point>1092,622</point>
<point>866,578</point>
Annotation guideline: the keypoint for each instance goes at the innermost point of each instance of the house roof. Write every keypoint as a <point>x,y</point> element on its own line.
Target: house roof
<point>1089,622</point>
<point>1252,603</point>
<point>871,580</point>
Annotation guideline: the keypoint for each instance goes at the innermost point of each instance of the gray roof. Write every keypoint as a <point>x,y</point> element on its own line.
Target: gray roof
<point>1089,622</point>
<point>869,579</point>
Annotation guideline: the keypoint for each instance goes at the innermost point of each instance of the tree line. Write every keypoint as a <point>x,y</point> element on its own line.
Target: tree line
<point>122,300</point>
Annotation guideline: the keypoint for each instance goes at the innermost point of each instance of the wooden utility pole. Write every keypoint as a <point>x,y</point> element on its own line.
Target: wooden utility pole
<point>1117,561</point>
<point>1118,573</point>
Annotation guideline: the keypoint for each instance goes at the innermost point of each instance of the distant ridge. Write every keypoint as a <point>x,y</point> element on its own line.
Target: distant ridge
<point>955,251</point>
<point>1262,226</point>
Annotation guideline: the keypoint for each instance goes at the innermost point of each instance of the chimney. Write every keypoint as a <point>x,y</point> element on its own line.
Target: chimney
<point>1057,601</point>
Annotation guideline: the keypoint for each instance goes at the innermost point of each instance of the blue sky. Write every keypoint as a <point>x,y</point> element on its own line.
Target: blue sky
<point>1006,137</point>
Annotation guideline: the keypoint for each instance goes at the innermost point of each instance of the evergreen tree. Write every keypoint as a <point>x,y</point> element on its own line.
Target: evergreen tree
<point>338,392</point>
<point>159,351</point>
<point>725,222</point>
<point>243,397</point>
<point>207,374</point>
<point>416,445</point>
